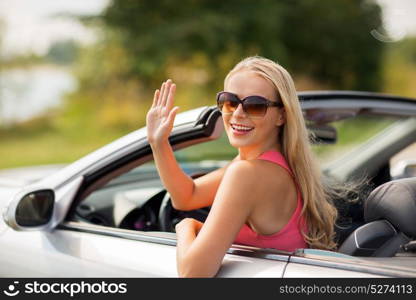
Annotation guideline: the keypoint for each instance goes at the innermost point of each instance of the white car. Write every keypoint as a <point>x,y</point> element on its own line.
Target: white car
<point>108,215</point>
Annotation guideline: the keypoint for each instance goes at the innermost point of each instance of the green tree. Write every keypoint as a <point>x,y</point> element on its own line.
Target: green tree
<point>329,40</point>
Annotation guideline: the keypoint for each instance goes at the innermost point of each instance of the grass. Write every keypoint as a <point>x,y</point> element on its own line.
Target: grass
<point>47,148</point>
<point>21,146</point>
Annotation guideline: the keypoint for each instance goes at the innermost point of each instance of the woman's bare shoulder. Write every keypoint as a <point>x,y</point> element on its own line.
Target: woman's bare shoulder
<point>243,167</point>
<point>259,171</point>
<point>256,166</point>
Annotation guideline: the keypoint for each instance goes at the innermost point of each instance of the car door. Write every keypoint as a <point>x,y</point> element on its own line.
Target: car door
<point>316,263</point>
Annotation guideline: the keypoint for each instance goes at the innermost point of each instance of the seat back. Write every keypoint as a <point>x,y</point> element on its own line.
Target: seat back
<point>390,213</point>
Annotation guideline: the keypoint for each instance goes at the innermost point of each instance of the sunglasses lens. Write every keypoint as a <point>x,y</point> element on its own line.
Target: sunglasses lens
<point>227,103</point>
<point>255,106</point>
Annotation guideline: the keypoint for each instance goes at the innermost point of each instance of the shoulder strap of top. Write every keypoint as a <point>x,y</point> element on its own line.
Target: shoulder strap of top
<point>276,157</point>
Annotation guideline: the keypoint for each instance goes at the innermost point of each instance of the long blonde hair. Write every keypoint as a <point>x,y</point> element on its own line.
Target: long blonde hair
<point>319,213</point>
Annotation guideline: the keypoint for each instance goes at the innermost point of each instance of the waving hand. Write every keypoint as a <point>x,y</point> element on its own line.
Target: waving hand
<point>161,115</point>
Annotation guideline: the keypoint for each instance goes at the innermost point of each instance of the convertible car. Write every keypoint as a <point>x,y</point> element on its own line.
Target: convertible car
<point>108,215</point>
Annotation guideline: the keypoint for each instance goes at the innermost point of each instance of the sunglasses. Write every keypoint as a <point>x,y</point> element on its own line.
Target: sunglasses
<point>253,106</point>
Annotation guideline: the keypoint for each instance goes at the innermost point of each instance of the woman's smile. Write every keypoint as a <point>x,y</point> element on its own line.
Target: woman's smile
<point>240,129</point>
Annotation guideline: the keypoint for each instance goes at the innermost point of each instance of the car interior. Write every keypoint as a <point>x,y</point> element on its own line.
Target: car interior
<point>376,214</point>
<point>390,223</point>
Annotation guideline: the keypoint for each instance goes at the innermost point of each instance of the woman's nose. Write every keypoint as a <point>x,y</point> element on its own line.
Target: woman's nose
<point>239,111</point>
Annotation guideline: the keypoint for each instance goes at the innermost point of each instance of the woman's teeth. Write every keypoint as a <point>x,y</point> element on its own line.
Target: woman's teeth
<point>241,128</point>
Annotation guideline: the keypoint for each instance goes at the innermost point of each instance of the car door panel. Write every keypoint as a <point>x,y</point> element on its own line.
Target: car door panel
<point>294,270</point>
<point>67,253</point>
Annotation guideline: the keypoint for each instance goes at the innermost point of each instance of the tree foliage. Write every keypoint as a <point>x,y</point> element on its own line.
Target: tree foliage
<point>328,40</point>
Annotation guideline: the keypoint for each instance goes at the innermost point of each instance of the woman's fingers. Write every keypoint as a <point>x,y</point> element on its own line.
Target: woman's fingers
<point>171,97</point>
<point>166,92</point>
<point>155,98</point>
<point>171,116</point>
<point>162,92</point>
<point>163,99</point>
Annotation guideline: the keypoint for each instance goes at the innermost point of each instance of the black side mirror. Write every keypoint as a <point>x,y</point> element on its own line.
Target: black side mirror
<point>35,209</point>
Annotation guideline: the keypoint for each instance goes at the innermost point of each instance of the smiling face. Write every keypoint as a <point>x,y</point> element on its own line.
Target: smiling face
<point>248,134</point>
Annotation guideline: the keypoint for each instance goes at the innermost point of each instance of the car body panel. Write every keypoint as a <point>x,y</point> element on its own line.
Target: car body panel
<point>67,253</point>
<point>294,270</point>
<point>338,262</point>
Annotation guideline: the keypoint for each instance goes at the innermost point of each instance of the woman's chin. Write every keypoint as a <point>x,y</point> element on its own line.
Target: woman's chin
<point>238,143</point>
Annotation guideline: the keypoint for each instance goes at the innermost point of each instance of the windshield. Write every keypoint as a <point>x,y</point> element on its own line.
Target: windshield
<point>351,134</point>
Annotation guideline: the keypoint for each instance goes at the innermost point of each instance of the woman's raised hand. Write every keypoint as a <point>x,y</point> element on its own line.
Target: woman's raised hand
<point>160,117</point>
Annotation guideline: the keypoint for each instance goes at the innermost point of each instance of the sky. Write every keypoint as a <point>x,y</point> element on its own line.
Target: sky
<point>399,19</point>
<point>31,27</point>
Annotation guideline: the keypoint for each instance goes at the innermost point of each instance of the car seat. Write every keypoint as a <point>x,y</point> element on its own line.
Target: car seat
<point>390,216</point>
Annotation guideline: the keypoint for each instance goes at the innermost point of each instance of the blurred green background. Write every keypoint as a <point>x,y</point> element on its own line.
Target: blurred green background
<point>324,44</point>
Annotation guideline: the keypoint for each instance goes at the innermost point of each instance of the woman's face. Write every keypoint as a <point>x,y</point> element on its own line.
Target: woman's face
<point>264,130</point>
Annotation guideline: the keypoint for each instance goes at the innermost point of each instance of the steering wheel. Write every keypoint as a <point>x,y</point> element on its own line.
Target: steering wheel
<point>169,216</point>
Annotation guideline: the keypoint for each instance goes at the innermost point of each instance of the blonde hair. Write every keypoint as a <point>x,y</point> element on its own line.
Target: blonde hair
<point>319,213</point>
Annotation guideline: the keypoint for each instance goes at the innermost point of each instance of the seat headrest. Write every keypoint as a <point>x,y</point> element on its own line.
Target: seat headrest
<point>394,201</point>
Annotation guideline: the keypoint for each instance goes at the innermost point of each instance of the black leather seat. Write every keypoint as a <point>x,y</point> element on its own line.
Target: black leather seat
<point>390,216</point>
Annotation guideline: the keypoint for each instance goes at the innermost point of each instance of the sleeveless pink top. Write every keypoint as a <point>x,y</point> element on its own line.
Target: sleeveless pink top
<point>289,238</point>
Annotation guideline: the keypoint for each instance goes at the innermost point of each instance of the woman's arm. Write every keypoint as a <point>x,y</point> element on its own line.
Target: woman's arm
<point>186,232</point>
<point>186,193</point>
<point>200,254</point>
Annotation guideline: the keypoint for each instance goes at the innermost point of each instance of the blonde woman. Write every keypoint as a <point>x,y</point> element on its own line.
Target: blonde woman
<point>270,195</point>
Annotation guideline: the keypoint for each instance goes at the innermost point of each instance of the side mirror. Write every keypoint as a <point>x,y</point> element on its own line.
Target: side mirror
<point>33,210</point>
<point>323,134</point>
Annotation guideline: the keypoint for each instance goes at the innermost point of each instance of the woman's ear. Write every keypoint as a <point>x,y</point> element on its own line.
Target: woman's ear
<point>281,119</point>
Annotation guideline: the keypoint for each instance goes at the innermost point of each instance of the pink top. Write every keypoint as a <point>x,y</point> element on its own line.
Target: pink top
<point>289,238</point>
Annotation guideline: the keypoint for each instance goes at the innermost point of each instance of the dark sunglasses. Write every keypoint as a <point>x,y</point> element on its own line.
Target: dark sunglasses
<point>253,106</point>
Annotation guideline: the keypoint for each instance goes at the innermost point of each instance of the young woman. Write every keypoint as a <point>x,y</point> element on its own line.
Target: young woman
<point>270,195</point>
